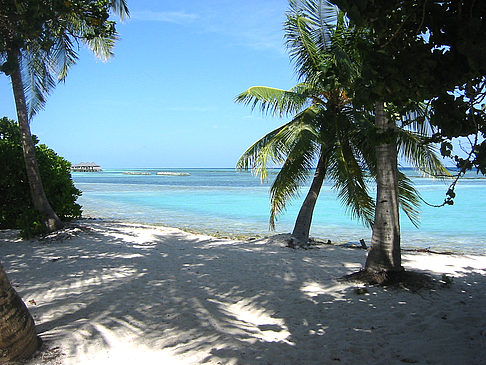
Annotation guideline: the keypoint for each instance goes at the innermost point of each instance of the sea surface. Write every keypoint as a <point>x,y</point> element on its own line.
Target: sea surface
<point>233,203</point>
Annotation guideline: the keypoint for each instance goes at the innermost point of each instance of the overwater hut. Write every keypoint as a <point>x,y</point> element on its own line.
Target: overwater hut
<point>86,167</point>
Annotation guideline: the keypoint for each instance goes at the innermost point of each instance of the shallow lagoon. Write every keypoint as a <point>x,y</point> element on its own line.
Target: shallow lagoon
<point>227,201</point>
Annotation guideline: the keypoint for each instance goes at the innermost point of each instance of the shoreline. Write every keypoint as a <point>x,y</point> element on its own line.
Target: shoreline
<point>251,237</point>
<point>105,292</point>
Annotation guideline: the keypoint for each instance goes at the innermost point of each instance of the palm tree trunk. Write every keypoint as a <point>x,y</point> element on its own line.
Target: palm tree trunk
<point>50,220</point>
<point>300,234</point>
<point>18,339</point>
<point>385,241</point>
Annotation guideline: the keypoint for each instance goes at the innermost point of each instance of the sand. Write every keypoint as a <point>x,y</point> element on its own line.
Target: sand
<point>118,293</point>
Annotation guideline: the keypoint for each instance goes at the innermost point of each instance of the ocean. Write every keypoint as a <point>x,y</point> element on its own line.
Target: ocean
<point>228,202</point>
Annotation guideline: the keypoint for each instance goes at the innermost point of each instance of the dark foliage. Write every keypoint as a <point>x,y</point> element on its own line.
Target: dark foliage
<point>434,51</point>
<point>16,208</point>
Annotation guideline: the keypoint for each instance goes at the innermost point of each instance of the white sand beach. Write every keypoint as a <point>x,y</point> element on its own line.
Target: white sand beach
<point>118,293</point>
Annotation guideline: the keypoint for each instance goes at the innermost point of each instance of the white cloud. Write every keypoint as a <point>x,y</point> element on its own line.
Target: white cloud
<point>177,17</point>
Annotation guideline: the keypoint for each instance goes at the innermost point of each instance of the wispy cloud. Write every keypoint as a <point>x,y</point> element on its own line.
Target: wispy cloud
<point>177,17</point>
<point>253,24</point>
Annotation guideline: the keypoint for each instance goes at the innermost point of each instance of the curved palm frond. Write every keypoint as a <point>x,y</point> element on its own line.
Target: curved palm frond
<point>420,154</point>
<point>300,42</point>
<point>257,156</point>
<point>38,76</point>
<point>42,69</point>
<point>412,117</point>
<point>343,47</point>
<point>63,56</point>
<point>348,173</point>
<point>275,146</point>
<point>120,8</point>
<point>102,47</point>
<point>276,101</point>
<point>323,16</point>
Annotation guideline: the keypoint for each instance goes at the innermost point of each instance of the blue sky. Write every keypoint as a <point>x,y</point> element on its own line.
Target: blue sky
<point>166,98</point>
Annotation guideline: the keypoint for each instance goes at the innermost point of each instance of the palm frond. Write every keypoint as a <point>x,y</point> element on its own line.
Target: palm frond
<point>42,69</point>
<point>39,78</point>
<point>120,8</point>
<point>420,154</point>
<point>412,116</point>
<point>323,16</point>
<point>348,173</point>
<point>100,44</point>
<point>102,47</point>
<point>300,42</point>
<point>276,101</point>
<point>275,146</point>
<point>64,56</point>
<point>267,148</point>
<point>326,17</point>
<point>409,198</point>
<point>310,34</point>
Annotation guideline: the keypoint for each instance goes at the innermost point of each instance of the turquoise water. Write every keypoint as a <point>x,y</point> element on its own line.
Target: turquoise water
<point>227,201</point>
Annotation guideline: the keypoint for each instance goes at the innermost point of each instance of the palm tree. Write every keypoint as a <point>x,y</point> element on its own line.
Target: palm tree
<point>385,254</point>
<point>411,138</point>
<point>325,127</point>
<point>324,131</point>
<point>18,339</point>
<point>37,46</point>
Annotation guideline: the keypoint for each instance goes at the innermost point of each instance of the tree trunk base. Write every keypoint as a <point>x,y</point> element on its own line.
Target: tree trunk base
<point>294,242</point>
<point>52,224</point>
<point>400,279</point>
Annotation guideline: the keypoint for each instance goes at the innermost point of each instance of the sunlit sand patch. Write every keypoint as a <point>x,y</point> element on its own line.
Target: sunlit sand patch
<point>352,265</point>
<point>261,324</point>
<point>120,347</point>
<point>314,289</point>
<point>140,235</point>
<point>448,264</point>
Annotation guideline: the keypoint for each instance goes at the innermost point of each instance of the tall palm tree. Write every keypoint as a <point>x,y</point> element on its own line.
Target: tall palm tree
<point>385,253</point>
<point>38,43</point>
<point>325,128</point>
<point>37,47</point>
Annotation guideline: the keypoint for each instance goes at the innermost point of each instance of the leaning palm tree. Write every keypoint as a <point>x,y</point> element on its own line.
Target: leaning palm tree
<point>37,47</point>
<point>325,127</point>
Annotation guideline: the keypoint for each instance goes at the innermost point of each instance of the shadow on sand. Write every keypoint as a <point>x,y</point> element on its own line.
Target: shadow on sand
<point>116,292</point>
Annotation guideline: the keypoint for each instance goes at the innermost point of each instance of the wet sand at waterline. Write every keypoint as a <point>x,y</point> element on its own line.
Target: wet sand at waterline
<point>117,293</point>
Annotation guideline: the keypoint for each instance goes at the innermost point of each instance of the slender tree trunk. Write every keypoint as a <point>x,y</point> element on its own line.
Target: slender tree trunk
<point>300,234</point>
<point>50,220</point>
<point>385,242</point>
<point>18,339</point>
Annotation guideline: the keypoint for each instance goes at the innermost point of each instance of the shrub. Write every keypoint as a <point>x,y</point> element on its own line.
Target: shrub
<point>16,208</point>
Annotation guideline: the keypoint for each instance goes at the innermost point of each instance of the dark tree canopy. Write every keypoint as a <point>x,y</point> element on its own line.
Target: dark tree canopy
<point>428,51</point>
